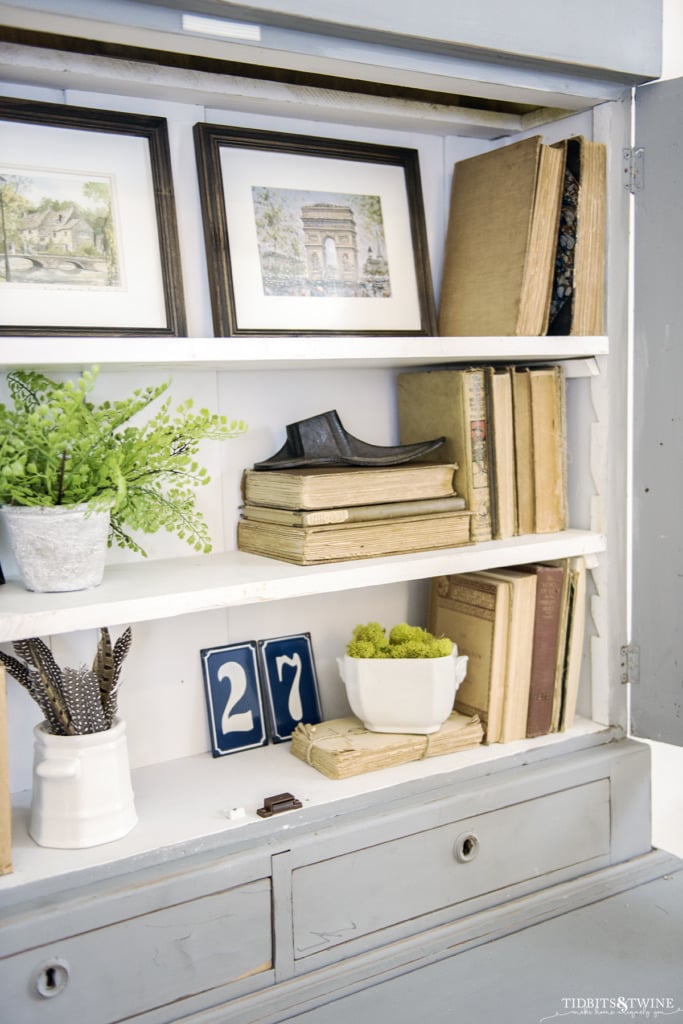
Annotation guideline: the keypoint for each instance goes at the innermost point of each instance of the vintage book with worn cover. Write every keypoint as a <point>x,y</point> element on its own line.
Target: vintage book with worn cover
<point>453,403</point>
<point>540,442</point>
<point>549,444</point>
<point>501,435</point>
<point>340,486</point>
<point>548,634</point>
<point>352,513</point>
<point>501,241</point>
<point>573,648</point>
<point>578,297</point>
<point>524,448</point>
<point>342,747</point>
<point>474,612</point>
<point>520,650</point>
<point>308,545</point>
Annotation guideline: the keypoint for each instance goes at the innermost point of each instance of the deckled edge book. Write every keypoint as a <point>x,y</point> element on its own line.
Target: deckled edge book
<point>5,802</point>
<point>311,545</point>
<point>577,305</point>
<point>501,240</point>
<point>342,747</point>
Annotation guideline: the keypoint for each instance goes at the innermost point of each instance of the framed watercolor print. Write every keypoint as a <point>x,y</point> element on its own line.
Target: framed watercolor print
<point>311,236</point>
<point>233,698</point>
<point>88,234</point>
<point>290,684</point>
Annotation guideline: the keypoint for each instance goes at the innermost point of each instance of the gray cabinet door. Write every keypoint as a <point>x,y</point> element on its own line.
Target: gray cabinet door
<point>657,700</point>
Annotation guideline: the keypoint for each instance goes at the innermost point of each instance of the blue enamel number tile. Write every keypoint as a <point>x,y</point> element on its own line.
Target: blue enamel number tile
<point>290,685</point>
<point>233,698</point>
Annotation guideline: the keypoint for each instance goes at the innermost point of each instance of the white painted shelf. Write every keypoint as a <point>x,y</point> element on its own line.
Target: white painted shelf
<point>285,353</point>
<point>160,589</point>
<point>197,802</point>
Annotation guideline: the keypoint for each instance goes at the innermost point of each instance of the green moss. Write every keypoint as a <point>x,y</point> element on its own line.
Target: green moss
<point>403,641</point>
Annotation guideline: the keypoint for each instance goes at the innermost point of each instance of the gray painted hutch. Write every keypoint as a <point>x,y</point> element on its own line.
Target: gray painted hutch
<point>368,901</point>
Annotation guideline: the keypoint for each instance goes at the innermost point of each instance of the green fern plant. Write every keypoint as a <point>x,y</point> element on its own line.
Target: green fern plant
<point>58,448</point>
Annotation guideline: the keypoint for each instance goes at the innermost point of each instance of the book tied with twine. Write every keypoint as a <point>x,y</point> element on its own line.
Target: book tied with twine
<point>342,747</point>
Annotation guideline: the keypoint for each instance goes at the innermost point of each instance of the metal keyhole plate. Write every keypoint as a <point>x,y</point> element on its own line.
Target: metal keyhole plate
<point>51,978</point>
<point>466,847</point>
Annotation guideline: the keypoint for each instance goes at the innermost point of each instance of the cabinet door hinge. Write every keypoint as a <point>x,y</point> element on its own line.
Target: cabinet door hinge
<point>630,663</point>
<point>634,169</point>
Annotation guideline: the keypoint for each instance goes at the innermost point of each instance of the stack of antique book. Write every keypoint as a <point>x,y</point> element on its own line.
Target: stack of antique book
<point>334,514</point>
<point>522,630</point>
<point>505,425</point>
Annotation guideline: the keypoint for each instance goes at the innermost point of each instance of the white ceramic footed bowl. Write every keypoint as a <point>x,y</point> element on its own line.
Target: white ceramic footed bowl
<point>411,695</point>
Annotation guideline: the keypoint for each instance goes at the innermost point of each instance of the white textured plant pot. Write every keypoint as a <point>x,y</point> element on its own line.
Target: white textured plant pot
<point>82,793</point>
<point>58,548</point>
<point>413,695</point>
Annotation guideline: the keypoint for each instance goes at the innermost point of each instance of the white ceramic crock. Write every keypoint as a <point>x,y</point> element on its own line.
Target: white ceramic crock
<point>82,792</point>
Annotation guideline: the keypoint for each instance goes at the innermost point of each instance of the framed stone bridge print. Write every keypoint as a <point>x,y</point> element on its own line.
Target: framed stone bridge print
<point>311,236</point>
<point>88,235</point>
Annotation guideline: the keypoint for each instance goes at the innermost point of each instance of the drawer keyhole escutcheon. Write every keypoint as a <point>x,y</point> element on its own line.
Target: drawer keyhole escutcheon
<point>51,978</point>
<point>466,847</point>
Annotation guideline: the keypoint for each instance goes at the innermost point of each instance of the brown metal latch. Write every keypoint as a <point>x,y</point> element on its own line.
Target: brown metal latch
<point>277,804</point>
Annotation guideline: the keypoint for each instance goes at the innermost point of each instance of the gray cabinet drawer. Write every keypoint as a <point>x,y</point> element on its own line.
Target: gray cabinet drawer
<point>366,890</point>
<point>143,962</point>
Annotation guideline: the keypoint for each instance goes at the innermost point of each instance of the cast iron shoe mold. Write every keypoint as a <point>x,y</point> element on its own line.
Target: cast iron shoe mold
<point>322,441</point>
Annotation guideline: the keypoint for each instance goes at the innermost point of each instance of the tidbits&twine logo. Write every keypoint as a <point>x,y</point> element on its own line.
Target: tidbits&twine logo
<point>646,1007</point>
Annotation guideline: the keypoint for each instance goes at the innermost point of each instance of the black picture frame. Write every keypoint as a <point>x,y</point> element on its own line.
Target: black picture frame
<point>364,269</point>
<point>77,277</point>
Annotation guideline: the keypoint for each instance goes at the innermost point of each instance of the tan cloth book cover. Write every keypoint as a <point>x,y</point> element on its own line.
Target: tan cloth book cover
<point>341,486</point>
<point>453,403</point>
<point>524,450</point>
<point>342,747</point>
<point>474,612</point>
<point>501,436</point>
<point>310,545</point>
<point>501,241</point>
<point>540,444</point>
<point>520,650</point>
<point>549,430</point>
<point>576,628</point>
